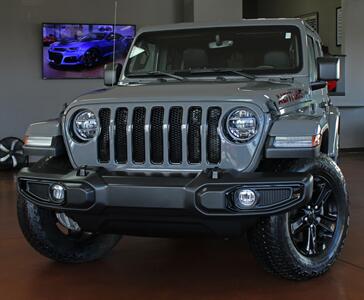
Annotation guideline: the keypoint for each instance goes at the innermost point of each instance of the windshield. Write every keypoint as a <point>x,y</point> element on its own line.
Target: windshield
<point>254,50</point>
<point>91,37</point>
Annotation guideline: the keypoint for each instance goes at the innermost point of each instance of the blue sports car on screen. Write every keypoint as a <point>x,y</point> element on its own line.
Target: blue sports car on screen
<point>88,50</point>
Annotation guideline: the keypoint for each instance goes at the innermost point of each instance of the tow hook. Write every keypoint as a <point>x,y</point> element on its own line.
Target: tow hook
<point>82,171</point>
<point>215,174</point>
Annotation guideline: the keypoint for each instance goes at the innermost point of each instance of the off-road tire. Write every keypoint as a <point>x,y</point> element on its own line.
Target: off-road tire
<point>270,239</point>
<point>39,228</point>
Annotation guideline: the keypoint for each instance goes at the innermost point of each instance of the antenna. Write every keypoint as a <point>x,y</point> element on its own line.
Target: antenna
<point>114,46</point>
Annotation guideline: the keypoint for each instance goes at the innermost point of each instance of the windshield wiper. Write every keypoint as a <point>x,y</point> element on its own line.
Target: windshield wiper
<point>157,73</point>
<point>238,72</point>
<point>160,73</point>
<point>219,71</point>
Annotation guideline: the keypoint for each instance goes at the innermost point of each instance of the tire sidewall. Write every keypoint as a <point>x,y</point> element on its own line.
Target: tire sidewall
<point>40,230</point>
<point>327,167</point>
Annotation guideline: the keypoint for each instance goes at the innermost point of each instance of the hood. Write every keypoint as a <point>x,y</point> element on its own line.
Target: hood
<point>256,92</point>
<point>68,44</point>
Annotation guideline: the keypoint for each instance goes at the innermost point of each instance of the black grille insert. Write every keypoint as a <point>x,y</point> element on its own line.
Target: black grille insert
<point>213,138</point>
<point>175,135</point>
<point>104,137</point>
<point>271,197</point>
<point>121,122</point>
<point>156,135</point>
<point>56,57</point>
<point>194,135</point>
<point>138,135</point>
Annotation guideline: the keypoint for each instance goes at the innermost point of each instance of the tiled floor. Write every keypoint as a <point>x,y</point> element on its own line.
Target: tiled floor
<point>145,268</point>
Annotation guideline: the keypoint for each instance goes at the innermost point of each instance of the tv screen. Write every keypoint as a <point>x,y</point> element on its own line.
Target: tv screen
<point>81,50</point>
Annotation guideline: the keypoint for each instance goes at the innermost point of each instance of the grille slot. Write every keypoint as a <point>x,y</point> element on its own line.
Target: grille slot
<point>175,135</point>
<point>138,135</point>
<point>121,122</point>
<point>104,137</point>
<point>213,138</point>
<point>156,135</point>
<point>194,135</point>
<point>270,197</point>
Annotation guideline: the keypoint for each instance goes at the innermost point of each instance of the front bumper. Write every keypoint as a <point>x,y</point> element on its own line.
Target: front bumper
<point>64,58</point>
<point>154,205</point>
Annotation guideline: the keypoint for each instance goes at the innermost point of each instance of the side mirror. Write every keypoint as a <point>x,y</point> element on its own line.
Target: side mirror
<point>328,68</point>
<point>112,74</point>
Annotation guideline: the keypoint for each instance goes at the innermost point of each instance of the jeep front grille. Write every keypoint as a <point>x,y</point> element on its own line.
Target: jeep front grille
<point>160,135</point>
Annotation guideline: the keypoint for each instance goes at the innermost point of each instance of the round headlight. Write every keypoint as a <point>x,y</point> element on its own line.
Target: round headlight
<point>242,125</point>
<point>85,125</point>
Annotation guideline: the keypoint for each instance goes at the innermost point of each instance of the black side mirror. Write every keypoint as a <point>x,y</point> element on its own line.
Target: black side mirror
<point>328,68</point>
<point>112,74</point>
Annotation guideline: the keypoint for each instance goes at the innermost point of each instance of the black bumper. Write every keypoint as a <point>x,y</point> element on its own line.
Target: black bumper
<point>150,205</point>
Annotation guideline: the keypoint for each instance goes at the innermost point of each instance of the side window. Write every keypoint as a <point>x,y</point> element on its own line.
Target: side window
<point>312,59</point>
<point>111,37</point>
<point>143,57</point>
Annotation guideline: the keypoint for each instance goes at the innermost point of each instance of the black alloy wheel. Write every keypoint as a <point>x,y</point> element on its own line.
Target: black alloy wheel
<point>91,58</point>
<point>313,227</point>
<point>305,242</point>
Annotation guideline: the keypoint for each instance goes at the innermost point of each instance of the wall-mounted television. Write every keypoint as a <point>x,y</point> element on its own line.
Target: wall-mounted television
<point>81,50</point>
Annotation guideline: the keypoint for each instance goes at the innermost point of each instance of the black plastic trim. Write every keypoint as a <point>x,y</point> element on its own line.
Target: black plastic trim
<point>188,194</point>
<point>125,203</point>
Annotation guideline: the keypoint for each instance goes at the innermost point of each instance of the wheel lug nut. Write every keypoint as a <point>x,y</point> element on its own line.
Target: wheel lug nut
<point>316,207</point>
<point>309,207</point>
<point>306,219</point>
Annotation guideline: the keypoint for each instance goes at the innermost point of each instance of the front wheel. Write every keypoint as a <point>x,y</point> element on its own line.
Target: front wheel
<point>91,58</point>
<point>58,237</point>
<point>305,242</point>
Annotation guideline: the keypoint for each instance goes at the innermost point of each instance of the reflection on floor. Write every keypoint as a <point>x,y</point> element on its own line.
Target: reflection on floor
<point>145,268</point>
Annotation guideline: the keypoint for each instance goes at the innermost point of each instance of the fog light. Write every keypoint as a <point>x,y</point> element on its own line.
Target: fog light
<point>244,198</point>
<point>58,193</point>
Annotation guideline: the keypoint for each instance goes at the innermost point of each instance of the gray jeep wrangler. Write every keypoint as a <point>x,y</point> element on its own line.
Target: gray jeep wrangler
<point>207,130</point>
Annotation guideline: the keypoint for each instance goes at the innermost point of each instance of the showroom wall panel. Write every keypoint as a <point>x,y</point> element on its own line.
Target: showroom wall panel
<point>294,8</point>
<point>25,97</point>
<point>352,105</point>
<point>217,10</point>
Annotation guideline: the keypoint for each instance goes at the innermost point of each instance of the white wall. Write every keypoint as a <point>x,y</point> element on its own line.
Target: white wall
<point>218,10</point>
<point>24,96</point>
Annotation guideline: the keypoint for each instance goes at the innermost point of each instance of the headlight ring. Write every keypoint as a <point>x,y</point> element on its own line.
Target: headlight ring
<point>241,125</point>
<point>85,125</point>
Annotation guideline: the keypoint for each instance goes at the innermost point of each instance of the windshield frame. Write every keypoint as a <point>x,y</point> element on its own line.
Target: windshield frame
<point>259,73</point>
